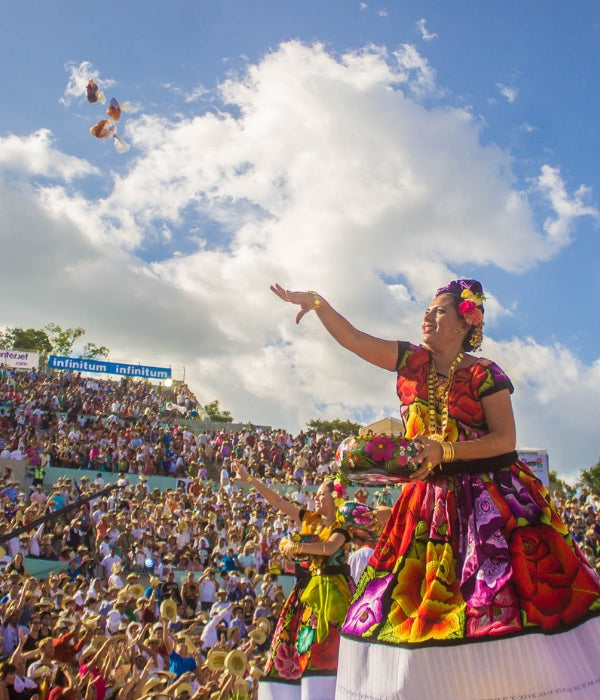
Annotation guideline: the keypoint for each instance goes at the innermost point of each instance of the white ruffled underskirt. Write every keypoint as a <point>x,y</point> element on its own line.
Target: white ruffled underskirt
<point>311,688</point>
<point>526,667</point>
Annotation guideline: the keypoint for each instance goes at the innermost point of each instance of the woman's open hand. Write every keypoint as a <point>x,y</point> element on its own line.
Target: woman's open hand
<point>241,473</point>
<point>305,300</point>
<point>430,455</point>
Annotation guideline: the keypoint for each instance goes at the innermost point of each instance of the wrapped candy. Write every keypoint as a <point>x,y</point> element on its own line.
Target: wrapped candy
<point>372,460</point>
<point>93,93</point>
<point>103,129</point>
<point>106,128</point>
<point>115,108</point>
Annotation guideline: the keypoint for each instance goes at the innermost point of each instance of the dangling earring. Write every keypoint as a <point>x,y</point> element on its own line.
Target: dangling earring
<point>476,337</point>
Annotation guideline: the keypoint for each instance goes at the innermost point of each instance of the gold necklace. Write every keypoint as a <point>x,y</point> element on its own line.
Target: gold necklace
<point>437,397</point>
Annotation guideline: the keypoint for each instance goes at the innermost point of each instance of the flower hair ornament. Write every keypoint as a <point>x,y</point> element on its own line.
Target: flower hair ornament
<point>340,491</point>
<point>470,308</point>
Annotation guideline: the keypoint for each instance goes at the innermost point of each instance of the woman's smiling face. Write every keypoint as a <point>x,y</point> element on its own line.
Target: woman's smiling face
<point>324,499</point>
<point>441,323</point>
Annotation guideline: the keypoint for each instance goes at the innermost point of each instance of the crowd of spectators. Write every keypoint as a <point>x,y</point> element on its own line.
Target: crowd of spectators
<point>67,420</point>
<point>120,553</point>
<point>172,593</point>
<point>95,628</point>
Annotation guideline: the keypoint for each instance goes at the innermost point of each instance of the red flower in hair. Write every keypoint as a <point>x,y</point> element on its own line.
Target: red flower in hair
<point>470,312</point>
<point>466,307</point>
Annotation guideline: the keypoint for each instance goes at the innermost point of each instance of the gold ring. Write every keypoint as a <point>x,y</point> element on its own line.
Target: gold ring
<point>429,464</point>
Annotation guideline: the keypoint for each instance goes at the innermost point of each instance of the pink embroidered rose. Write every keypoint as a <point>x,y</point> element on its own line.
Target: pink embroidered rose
<point>287,661</point>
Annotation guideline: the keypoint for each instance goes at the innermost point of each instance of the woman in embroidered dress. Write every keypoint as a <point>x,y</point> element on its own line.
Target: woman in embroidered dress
<point>475,589</point>
<point>302,661</point>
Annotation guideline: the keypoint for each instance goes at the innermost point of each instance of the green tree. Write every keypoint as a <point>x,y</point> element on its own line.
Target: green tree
<point>565,490</point>
<point>63,339</point>
<point>345,427</point>
<point>91,351</point>
<point>215,413</point>
<point>52,339</point>
<point>590,478</point>
<point>30,339</point>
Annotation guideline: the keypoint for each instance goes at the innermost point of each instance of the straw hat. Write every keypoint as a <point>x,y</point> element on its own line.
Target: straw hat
<point>215,660</point>
<point>89,652</point>
<point>168,609</point>
<point>120,673</point>
<point>135,590</point>
<point>91,620</point>
<point>255,672</point>
<point>150,684</point>
<point>236,662</point>
<point>203,616</point>
<point>233,633</point>
<point>97,642</point>
<point>191,647</point>
<point>183,688</point>
<point>263,622</point>
<point>169,675</point>
<point>258,636</point>
<point>40,671</point>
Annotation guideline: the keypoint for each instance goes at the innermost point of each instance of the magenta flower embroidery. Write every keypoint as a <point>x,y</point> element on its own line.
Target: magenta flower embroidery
<point>362,515</point>
<point>380,448</point>
<point>367,610</point>
<point>287,661</point>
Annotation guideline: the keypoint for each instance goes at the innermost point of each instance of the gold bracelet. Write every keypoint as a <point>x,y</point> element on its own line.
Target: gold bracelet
<point>316,300</point>
<point>447,452</point>
<point>323,545</point>
<point>444,446</point>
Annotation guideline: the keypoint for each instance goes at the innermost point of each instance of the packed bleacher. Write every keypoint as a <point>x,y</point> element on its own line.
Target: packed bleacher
<point>170,593</point>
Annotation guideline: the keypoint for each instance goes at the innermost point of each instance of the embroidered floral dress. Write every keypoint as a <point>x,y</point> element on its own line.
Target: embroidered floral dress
<point>306,639</point>
<point>476,552</point>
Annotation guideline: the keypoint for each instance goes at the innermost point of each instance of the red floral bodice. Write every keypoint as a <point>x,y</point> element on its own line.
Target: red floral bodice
<point>470,385</point>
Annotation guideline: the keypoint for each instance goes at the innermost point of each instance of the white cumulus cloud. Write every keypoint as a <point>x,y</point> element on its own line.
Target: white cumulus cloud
<point>317,171</point>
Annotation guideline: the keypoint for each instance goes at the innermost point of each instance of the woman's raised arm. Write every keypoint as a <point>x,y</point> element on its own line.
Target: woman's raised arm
<point>379,352</point>
<point>272,498</point>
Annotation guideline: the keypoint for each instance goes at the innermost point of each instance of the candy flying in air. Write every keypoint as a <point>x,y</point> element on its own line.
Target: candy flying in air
<point>93,93</point>
<point>114,109</point>
<point>108,129</point>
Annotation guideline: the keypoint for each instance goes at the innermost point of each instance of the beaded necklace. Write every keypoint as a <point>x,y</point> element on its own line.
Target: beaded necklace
<point>437,397</point>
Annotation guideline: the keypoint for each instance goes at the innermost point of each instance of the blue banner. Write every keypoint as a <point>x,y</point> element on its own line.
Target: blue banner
<point>80,364</point>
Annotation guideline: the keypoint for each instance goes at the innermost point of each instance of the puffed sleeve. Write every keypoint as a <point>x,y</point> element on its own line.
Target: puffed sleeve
<point>494,379</point>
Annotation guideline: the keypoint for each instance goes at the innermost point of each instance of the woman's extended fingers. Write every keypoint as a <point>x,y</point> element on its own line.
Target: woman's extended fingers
<point>304,299</point>
<point>282,293</point>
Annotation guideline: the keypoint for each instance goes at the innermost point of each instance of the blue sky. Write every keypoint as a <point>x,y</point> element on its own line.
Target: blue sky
<point>367,150</point>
